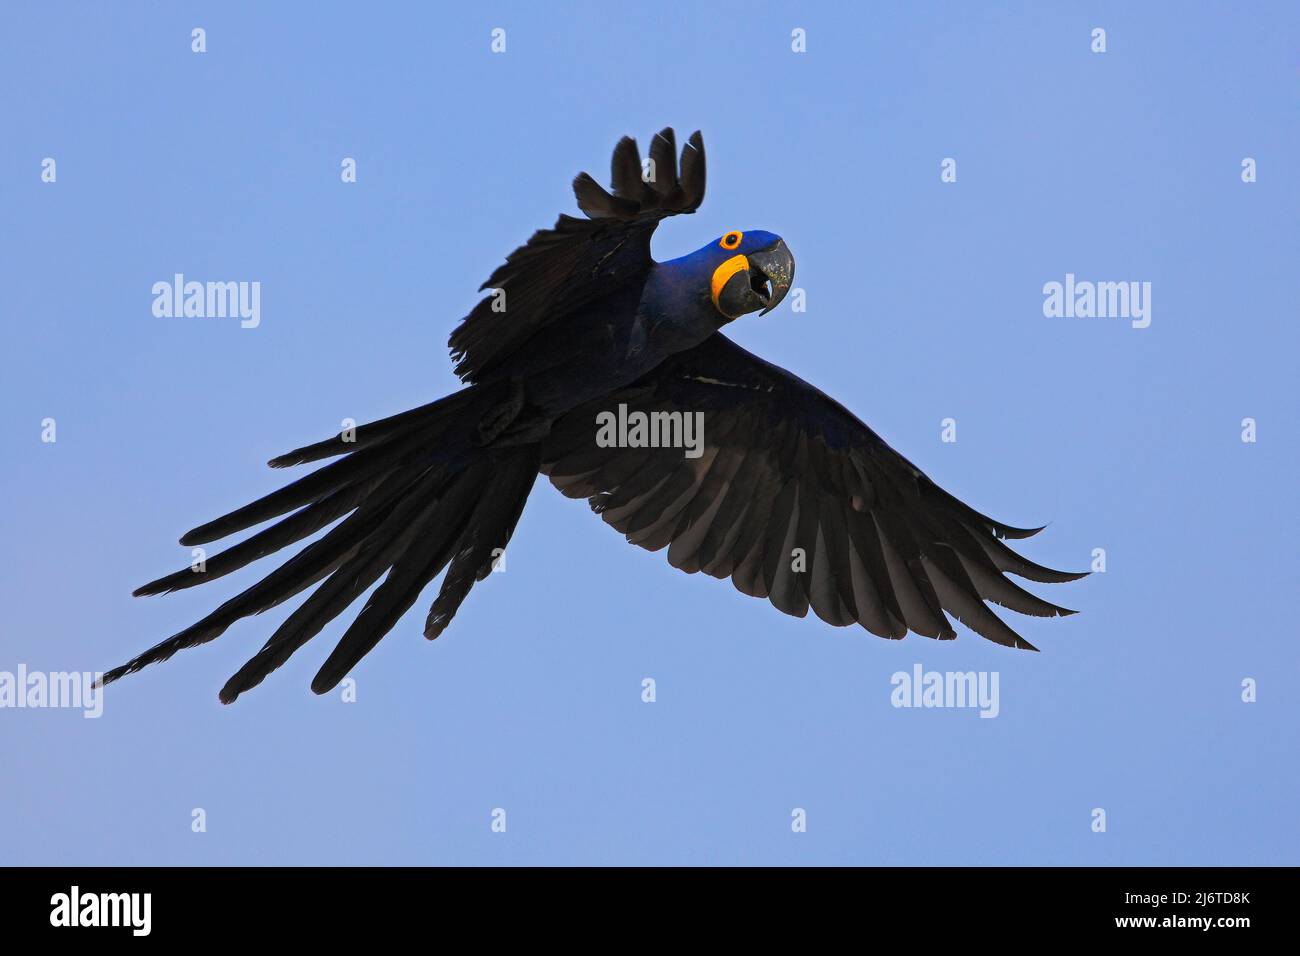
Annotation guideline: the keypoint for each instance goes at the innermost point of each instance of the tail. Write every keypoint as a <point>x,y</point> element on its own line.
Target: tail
<point>417,492</point>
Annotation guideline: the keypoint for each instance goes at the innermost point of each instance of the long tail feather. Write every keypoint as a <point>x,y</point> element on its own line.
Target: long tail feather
<point>304,491</point>
<point>426,417</point>
<point>431,549</point>
<point>336,594</point>
<point>487,535</point>
<point>304,569</point>
<point>415,493</point>
<point>280,535</point>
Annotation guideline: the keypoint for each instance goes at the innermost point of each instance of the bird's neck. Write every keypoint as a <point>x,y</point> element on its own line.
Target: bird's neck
<point>677,306</point>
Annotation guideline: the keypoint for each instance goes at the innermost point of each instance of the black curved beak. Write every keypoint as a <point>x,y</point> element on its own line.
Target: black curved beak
<point>771,271</point>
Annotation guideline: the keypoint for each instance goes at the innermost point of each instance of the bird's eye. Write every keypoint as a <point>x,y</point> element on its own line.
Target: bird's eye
<point>731,240</point>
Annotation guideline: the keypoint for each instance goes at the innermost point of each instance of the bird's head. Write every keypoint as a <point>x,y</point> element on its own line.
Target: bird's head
<point>745,271</point>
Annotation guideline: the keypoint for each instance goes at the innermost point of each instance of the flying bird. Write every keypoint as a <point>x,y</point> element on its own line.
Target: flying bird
<point>786,492</point>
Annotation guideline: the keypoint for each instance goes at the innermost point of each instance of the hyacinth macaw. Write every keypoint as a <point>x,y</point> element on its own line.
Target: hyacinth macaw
<point>789,494</point>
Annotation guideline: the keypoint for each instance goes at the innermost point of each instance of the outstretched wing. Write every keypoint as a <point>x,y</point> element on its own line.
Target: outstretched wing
<point>579,260</point>
<point>795,500</point>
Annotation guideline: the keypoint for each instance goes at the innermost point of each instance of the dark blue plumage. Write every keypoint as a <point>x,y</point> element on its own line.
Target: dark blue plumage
<point>786,493</point>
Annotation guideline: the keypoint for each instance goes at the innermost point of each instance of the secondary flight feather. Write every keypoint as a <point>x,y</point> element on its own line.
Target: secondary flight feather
<point>786,492</point>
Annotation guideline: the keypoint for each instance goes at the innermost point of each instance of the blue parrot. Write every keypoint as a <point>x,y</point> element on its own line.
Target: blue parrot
<point>607,372</point>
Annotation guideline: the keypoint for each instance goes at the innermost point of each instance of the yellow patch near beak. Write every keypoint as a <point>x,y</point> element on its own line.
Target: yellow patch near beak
<point>724,272</point>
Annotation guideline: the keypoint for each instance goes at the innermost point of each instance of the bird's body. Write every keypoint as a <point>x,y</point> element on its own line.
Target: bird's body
<point>788,494</point>
<point>605,345</point>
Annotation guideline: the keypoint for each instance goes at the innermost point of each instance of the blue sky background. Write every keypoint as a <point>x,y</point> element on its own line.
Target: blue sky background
<point>924,302</point>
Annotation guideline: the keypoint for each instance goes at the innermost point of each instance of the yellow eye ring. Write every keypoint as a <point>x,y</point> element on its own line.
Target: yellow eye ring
<point>731,240</point>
